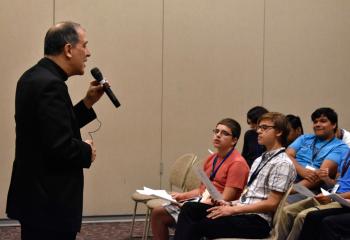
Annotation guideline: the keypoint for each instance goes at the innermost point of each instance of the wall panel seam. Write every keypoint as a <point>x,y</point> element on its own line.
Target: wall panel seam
<point>263,56</point>
<point>161,165</point>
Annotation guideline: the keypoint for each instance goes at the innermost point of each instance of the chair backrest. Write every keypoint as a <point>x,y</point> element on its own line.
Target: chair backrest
<point>192,181</point>
<point>278,211</point>
<point>179,170</point>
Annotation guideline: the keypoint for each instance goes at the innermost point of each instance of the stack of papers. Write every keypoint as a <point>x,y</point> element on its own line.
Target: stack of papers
<point>335,197</point>
<point>157,193</point>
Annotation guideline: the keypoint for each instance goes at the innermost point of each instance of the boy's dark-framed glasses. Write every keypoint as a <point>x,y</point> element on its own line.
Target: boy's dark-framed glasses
<point>264,127</point>
<point>221,132</point>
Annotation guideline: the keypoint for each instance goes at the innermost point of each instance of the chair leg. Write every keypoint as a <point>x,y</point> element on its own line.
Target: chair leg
<point>133,220</point>
<point>146,228</point>
<point>148,224</point>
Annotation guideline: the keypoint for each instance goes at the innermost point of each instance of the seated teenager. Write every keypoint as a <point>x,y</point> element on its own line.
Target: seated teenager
<point>226,168</point>
<point>292,217</point>
<point>295,128</point>
<point>251,148</point>
<point>270,177</point>
<point>313,151</point>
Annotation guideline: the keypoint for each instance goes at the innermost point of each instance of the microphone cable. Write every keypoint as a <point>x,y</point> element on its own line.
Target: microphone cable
<point>96,130</point>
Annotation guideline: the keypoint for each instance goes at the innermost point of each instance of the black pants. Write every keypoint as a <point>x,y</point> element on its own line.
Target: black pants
<point>327,224</point>
<point>30,233</point>
<point>193,224</point>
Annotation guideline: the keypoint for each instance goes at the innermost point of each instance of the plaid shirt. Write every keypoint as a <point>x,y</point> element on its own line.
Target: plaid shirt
<point>277,175</point>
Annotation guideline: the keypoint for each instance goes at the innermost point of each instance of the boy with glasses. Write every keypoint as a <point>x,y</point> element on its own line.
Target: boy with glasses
<point>270,177</point>
<point>227,170</point>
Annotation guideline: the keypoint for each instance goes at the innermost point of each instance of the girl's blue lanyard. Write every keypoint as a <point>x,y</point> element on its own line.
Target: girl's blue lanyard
<point>214,171</point>
<point>316,151</point>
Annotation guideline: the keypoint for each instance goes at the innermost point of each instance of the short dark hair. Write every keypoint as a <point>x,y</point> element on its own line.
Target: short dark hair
<point>59,35</point>
<point>295,122</point>
<point>328,113</point>
<point>255,113</point>
<point>280,124</point>
<point>233,125</point>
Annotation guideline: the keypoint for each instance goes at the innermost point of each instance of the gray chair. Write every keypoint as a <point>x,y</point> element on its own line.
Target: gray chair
<point>180,177</point>
<point>176,179</point>
<point>138,198</point>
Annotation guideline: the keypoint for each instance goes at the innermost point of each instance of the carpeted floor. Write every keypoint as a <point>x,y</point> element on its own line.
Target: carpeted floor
<point>89,231</point>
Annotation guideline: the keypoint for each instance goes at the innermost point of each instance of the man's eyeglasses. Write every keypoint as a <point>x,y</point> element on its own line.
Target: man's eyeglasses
<point>221,132</point>
<point>263,128</point>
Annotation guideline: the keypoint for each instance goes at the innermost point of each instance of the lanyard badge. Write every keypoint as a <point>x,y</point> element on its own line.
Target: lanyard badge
<point>244,194</point>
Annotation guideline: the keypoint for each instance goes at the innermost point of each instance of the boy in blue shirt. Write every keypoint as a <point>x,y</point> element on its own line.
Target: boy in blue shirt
<point>311,152</point>
<point>290,222</point>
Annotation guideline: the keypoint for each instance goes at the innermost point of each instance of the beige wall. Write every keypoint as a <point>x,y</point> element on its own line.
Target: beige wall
<point>179,66</point>
<point>212,69</point>
<point>307,53</point>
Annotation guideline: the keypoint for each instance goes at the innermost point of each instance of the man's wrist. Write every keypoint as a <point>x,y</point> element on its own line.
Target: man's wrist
<point>88,103</point>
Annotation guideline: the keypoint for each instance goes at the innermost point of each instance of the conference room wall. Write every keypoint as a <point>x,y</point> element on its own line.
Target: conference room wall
<point>213,68</point>
<point>125,38</point>
<point>307,55</point>
<point>178,67</point>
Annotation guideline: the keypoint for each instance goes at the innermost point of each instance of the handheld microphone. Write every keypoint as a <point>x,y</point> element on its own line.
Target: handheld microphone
<point>96,73</point>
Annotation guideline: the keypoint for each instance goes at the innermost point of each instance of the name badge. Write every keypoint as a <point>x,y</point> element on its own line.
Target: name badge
<point>244,193</point>
<point>310,167</point>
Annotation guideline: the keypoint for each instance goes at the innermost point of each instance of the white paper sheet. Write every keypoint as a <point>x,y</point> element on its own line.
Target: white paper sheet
<point>214,193</point>
<point>157,193</point>
<point>303,190</point>
<point>325,192</point>
<point>336,197</point>
<point>339,199</point>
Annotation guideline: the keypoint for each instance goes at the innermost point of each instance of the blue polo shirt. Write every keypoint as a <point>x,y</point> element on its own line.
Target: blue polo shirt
<point>334,150</point>
<point>344,181</point>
